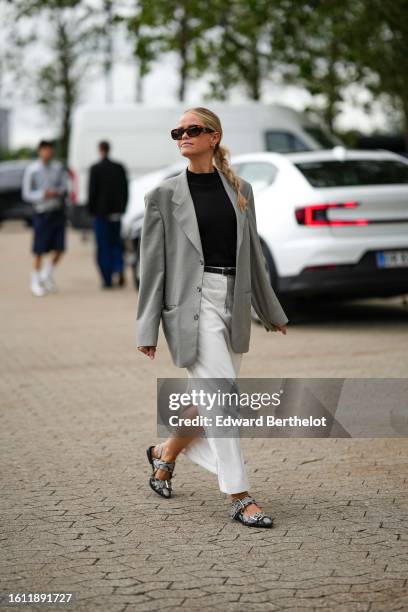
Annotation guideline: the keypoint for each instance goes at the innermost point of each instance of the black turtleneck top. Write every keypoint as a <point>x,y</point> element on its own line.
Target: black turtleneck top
<point>216,218</point>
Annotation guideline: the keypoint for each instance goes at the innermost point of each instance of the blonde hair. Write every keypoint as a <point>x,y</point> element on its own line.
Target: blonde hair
<point>221,156</point>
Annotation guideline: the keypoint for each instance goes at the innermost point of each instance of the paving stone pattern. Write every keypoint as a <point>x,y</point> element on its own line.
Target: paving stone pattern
<point>77,515</point>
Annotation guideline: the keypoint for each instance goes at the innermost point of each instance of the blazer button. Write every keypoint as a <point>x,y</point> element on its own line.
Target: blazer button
<point>202,262</point>
<point>196,317</point>
<point>199,288</point>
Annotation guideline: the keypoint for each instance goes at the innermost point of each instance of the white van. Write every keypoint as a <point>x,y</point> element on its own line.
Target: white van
<point>140,135</point>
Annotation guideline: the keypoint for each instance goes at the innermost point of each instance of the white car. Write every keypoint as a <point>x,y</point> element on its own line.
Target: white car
<point>332,222</point>
<point>132,220</point>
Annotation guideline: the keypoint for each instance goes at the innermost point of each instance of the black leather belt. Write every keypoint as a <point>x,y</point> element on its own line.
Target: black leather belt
<point>220,270</point>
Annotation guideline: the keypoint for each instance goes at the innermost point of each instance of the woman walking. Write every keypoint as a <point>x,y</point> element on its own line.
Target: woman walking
<point>201,267</point>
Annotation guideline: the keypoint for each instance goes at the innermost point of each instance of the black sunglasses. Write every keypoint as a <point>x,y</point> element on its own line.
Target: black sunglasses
<point>192,130</point>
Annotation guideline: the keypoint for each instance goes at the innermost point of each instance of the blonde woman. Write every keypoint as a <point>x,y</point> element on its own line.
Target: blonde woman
<point>201,268</point>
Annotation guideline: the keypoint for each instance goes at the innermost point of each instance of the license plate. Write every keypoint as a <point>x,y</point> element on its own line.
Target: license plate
<point>392,259</point>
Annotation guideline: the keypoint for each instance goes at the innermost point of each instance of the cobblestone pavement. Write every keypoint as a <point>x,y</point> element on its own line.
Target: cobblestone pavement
<point>78,411</point>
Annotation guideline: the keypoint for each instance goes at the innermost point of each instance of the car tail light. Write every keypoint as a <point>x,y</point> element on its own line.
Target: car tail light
<point>73,191</point>
<point>316,214</point>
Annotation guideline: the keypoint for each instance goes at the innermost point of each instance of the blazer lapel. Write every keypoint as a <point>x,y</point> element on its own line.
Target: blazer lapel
<point>184,211</point>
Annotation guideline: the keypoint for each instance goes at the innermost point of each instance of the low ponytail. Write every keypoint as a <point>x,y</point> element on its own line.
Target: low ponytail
<point>221,161</point>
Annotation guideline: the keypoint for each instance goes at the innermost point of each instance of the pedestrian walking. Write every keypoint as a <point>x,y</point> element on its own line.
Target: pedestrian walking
<point>201,267</point>
<point>45,186</point>
<point>107,200</point>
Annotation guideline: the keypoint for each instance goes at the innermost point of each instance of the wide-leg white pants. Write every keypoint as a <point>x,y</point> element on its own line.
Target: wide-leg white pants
<point>216,359</point>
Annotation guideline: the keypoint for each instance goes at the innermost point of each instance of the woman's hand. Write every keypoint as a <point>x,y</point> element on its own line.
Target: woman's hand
<point>281,329</point>
<point>149,351</point>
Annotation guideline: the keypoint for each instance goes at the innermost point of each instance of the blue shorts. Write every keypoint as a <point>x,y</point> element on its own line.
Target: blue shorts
<point>49,231</point>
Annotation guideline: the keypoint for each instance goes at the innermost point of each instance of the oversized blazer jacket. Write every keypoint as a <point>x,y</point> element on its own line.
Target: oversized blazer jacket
<point>172,268</point>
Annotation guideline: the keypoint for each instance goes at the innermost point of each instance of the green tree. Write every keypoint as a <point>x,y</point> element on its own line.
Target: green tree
<point>315,42</point>
<point>241,53</point>
<point>381,52</point>
<point>171,26</point>
<point>71,34</point>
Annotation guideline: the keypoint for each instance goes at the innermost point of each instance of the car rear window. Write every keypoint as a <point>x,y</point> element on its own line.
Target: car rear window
<point>354,172</point>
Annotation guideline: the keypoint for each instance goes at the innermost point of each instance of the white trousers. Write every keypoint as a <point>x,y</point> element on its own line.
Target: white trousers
<point>216,359</point>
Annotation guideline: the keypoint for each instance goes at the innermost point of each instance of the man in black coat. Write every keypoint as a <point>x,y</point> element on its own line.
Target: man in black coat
<point>107,200</point>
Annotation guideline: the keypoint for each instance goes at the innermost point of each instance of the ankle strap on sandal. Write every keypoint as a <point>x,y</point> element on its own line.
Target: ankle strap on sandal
<point>239,504</point>
<point>159,464</point>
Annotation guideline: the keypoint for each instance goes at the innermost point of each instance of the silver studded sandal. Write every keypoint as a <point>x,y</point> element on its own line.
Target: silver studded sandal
<point>161,487</point>
<point>259,519</point>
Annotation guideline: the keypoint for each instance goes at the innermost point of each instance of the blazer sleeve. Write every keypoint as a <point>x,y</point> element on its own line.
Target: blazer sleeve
<point>264,299</point>
<point>152,274</point>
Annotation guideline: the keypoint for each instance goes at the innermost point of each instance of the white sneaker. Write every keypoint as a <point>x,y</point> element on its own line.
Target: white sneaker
<point>36,286</point>
<point>47,280</point>
<point>49,284</point>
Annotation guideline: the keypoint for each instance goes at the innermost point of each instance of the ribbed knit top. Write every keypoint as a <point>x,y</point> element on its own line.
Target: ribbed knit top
<point>216,217</point>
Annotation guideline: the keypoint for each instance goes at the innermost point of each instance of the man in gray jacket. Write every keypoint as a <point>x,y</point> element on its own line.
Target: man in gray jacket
<point>45,185</point>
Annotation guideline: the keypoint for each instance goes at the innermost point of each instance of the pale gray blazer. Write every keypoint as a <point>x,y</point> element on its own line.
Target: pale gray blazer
<point>172,268</point>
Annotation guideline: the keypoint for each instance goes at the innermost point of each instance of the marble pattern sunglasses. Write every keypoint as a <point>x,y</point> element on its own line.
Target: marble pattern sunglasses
<point>192,130</point>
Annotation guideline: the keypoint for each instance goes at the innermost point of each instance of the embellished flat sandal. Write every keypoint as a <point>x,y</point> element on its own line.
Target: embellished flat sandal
<point>259,519</point>
<point>161,487</point>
